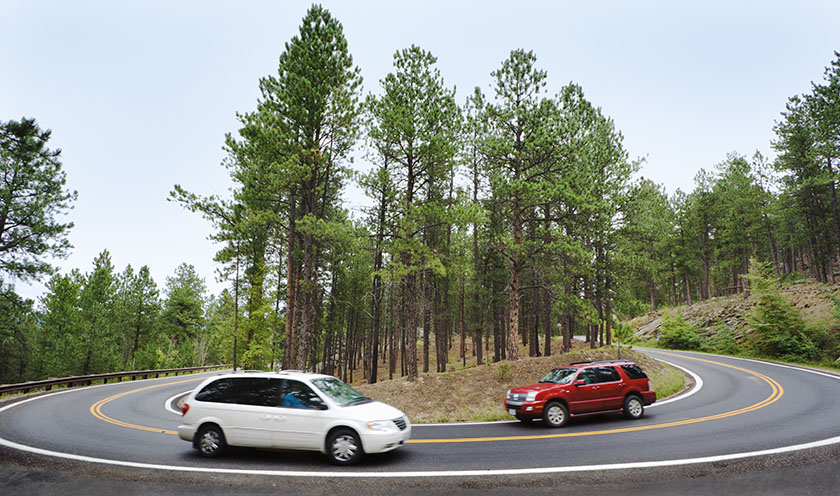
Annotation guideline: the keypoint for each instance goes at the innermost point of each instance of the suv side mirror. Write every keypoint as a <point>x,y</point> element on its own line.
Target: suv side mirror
<point>580,382</point>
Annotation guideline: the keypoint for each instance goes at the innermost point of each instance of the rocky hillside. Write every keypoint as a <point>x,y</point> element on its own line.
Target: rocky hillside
<point>809,297</point>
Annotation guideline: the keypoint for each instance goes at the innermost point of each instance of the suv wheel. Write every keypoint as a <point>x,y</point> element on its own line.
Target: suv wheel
<point>344,447</point>
<point>210,441</point>
<point>555,414</point>
<point>633,407</point>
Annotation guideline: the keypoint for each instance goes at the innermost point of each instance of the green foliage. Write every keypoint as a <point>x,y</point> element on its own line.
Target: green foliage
<point>676,333</point>
<point>504,374</point>
<point>623,333</point>
<point>777,327</point>
<point>183,316</point>
<point>17,332</point>
<point>32,195</point>
<point>723,341</point>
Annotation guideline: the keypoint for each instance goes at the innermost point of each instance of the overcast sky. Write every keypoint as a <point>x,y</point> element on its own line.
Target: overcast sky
<point>139,95</point>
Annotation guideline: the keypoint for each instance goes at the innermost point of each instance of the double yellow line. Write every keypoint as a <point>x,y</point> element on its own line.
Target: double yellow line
<point>776,392</point>
<point>96,408</point>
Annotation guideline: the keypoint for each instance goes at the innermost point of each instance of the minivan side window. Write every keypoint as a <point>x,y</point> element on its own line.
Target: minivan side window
<point>243,391</point>
<point>296,394</point>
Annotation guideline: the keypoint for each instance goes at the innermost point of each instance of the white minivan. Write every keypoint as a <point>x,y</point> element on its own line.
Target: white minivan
<point>290,410</point>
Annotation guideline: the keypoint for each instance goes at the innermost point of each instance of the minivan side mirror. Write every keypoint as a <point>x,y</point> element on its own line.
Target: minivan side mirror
<point>318,403</point>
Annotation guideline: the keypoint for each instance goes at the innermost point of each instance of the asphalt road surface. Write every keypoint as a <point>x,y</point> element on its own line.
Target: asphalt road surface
<point>748,427</point>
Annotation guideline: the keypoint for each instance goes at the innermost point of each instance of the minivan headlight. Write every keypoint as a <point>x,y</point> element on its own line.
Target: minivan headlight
<point>381,425</point>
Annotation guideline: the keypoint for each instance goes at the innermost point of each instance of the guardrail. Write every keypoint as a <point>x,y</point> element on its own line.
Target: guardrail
<point>86,380</point>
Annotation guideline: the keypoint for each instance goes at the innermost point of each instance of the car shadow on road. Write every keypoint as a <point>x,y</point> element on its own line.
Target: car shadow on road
<point>269,459</point>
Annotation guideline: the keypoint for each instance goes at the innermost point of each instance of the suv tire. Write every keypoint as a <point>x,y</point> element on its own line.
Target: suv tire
<point>555,414</point>
<point>633,407</point>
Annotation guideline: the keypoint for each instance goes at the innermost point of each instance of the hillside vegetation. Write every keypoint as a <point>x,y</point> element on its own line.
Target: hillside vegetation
<point>476,393</point>
<point>796,322</point>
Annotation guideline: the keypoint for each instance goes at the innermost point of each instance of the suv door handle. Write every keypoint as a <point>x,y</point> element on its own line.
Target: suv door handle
<point>595,388</point>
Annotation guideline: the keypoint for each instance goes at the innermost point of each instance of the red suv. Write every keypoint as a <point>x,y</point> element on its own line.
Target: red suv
<point>583,388</point>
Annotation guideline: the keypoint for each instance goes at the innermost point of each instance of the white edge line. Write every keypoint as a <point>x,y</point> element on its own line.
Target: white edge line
<point>461,473</point>
<point>169,402</point>
<point>698,384</point>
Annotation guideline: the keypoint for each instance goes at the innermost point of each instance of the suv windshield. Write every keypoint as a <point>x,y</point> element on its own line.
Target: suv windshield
<point>560,376</point>
<point>339,392</point>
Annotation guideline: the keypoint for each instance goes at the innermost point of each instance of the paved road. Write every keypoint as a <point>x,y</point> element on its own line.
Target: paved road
<point>752,427</point>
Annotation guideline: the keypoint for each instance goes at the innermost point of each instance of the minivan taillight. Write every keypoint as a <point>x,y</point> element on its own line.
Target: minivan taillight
<point>185,409</point>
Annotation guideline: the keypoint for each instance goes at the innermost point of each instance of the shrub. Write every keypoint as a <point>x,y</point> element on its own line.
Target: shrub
<point>723,341</point>
<point>504,374</point>
<point>778,327</point>
<point>677,334</point>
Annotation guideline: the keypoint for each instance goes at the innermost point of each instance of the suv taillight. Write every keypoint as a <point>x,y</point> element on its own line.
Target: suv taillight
<point>185,409</point>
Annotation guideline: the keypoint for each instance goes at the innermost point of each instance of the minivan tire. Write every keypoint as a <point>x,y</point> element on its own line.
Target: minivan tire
<point>344,447</point>
<point>210,441</point>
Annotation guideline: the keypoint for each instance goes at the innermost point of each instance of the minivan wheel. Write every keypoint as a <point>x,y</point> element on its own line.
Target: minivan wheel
<point>555,414</point>
<point>210,441</point>
<point>344,447</point>
<point>633,407</point>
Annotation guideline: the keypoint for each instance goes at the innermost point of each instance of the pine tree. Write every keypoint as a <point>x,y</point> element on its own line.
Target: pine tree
<point>32,195</point>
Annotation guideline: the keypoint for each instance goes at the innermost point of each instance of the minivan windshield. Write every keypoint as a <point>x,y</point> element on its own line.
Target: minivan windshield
<point>560,376</point>
<point>339,392</point>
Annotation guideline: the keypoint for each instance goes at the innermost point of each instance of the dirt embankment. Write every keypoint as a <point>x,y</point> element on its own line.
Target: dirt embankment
<point>477,393</point>
<point>809,297</point>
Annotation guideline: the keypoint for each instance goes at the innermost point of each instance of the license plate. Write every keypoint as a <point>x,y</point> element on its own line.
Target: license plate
<point>511,411</point>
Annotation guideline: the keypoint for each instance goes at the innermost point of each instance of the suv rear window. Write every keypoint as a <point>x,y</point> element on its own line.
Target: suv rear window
<point>633,371</point>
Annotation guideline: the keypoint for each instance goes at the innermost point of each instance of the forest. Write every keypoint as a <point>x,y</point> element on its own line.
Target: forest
<point>497,222</point>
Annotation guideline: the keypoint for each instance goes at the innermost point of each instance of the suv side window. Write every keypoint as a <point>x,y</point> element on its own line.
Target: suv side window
<point>588,376</point>
<point>296,394</point>
<point>607,374</point>
<point>633,371</point>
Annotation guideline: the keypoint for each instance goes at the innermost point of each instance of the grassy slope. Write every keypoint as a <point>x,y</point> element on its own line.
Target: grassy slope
<point>477,393</point>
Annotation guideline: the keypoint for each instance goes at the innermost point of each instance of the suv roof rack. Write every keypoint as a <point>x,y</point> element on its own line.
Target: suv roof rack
<point>599,361</point>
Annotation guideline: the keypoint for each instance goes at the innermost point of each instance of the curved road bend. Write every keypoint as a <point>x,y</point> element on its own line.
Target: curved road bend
<point>731,435</point>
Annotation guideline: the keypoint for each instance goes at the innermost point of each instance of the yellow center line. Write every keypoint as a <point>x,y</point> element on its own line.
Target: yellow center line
<point>776,393</point>
<point>96,408</point>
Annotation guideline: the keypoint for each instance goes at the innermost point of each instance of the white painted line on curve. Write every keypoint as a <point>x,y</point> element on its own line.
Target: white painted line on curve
<point>450,473</point>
